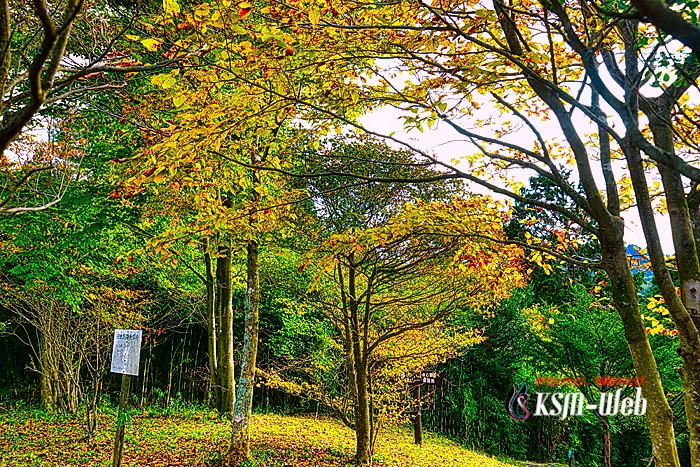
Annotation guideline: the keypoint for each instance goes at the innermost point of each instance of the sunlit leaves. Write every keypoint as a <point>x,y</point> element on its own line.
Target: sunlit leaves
<point>152,44</point>
<point>245,9</point>
<point>658,319</point>
<point>171,7</point>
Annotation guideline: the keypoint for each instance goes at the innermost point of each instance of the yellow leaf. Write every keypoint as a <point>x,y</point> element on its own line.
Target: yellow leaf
<point>169,82</point>
<point>551,321</point>
<point>171,7</point>
<point>179,100</point>
<point>314,16</point>
<point>157,80</point>
<point>151,44</point>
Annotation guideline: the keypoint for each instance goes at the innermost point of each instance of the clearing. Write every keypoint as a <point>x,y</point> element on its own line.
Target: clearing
<point>197,437</point>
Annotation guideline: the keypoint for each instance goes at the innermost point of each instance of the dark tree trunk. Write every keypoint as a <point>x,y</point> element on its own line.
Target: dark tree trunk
<point>225,339</point>
<point>210,283</point>
<point>684,242</point>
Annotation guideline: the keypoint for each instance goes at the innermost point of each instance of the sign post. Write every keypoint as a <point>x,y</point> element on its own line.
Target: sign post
<point>417,420</point>
<point>432,378</point>
<point>126,351</point>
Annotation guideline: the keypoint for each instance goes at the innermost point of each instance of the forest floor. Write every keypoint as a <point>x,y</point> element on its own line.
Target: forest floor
<point>199,438</point>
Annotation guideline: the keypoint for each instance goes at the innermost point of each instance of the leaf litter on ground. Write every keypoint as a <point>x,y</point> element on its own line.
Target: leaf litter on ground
<point>200,438</point>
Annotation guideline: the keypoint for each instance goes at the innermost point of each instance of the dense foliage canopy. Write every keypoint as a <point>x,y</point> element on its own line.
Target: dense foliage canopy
<point>215,175</point>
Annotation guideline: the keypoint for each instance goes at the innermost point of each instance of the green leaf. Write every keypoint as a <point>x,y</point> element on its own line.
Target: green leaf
<point>239,30</point>
<point>158,80</point>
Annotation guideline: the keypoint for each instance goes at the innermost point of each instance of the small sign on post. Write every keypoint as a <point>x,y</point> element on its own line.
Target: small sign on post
<point>433,377</point>
<point>126,351</point>
<point>429,378</point>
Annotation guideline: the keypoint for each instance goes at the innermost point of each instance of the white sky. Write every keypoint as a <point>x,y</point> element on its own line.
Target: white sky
<point>447,144</point>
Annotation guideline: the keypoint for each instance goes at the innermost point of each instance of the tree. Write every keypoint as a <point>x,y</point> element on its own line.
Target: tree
<point>51,55</point>
<point>392,289</point>
<point>672,22</point>
<point>228,151</point>
<point>205,177</point>
<point>583,340</point>
<point>464,63</point>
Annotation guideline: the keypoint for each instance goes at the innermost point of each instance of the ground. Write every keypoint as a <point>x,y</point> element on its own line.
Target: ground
<point>195,437</point>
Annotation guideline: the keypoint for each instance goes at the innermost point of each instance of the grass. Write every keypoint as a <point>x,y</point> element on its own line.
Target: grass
<point>199,438</point>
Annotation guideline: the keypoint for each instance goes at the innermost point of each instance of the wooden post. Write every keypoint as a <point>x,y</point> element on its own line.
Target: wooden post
<point>119,438</point>
<point>417,421</point>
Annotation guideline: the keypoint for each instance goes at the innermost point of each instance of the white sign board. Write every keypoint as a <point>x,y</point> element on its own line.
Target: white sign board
<point>126,351</point>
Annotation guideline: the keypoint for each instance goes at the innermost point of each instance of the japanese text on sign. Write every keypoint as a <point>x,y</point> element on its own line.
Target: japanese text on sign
<point>126,351</point>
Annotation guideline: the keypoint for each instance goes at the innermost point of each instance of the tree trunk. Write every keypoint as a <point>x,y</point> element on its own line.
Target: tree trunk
<point>360,361</point>
<point>362,419</point>
<point>607,459</point>
<point>689,275</point>
<point>239,450</point>
<point>211,324</point>
<point>418,416</point>
<point>166,401</point>
<point>357,364</point>
<point>47,392</point>
<point>225,341</point>
<point>91,409</point>
<point>659,415</point>
<point>685,247</point>
<point>691,401</point>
